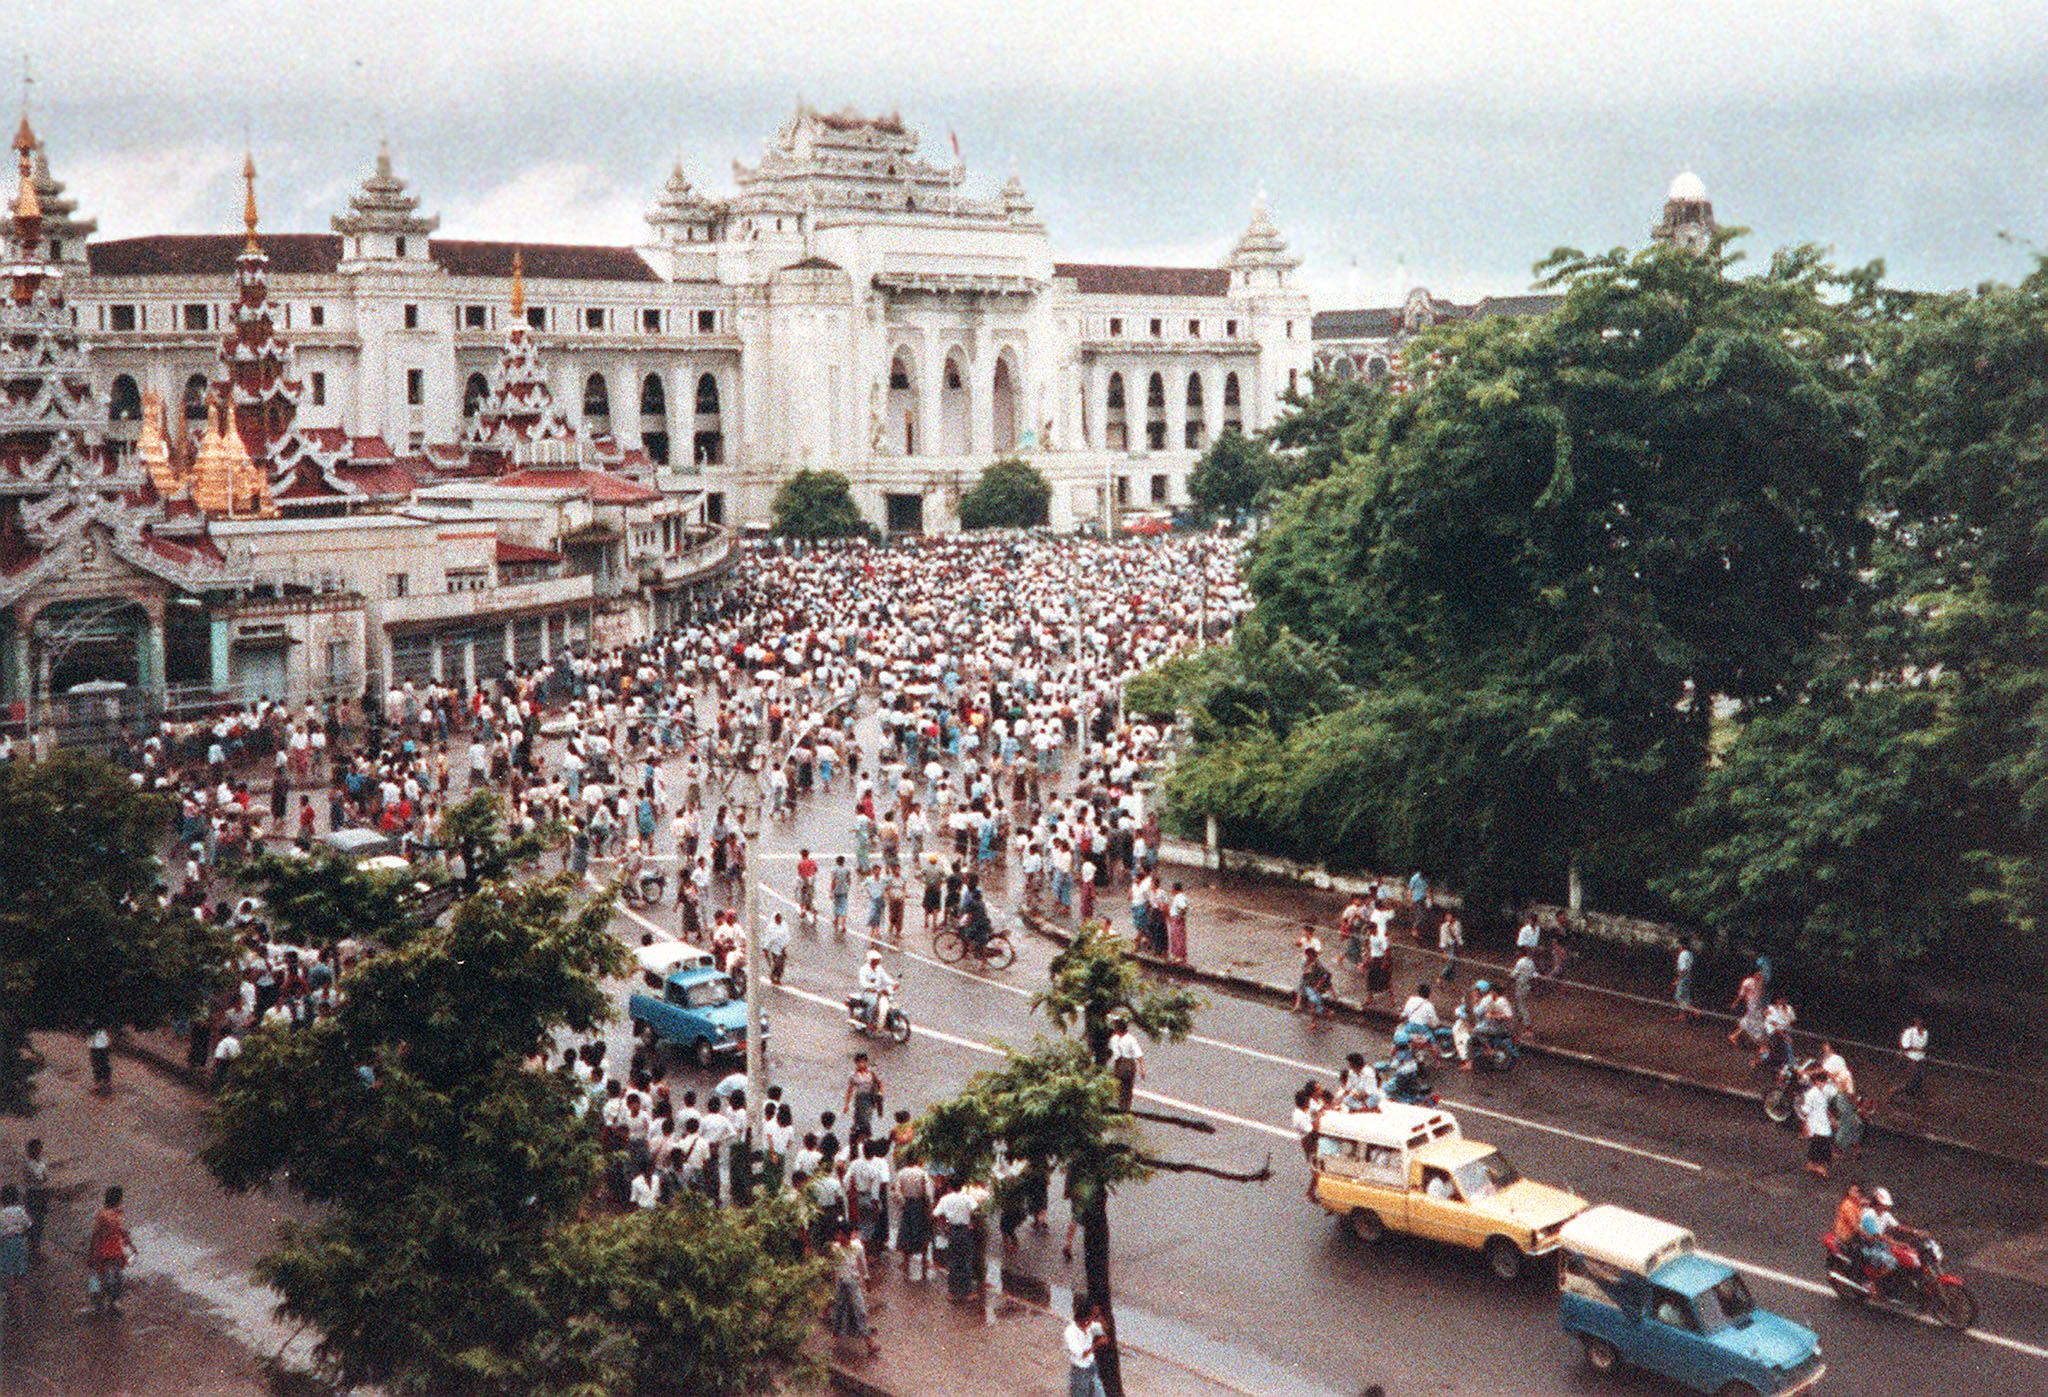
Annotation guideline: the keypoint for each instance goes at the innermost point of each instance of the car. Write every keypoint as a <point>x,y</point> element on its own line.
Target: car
<point>698,1013</point>
<point>1147,525</point>
<point>1632,1289</point>
<point>1410,1169</point>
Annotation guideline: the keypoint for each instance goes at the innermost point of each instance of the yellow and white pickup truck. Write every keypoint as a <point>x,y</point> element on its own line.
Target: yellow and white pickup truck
<point>1410,1169</point>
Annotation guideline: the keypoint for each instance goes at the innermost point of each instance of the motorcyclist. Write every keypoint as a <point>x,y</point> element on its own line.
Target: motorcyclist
<point>1405,1075</point>
<point>1496,1016</point>
<point>876,985</point>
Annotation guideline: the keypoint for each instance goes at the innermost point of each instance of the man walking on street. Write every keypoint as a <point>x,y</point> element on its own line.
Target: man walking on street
<point>1913,1046</point>
<point>1524,976</point>
<point>1126,1060</point>
<point>1681,982</point>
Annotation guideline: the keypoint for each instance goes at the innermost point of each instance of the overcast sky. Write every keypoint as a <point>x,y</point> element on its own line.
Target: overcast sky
<point>1459,141</point>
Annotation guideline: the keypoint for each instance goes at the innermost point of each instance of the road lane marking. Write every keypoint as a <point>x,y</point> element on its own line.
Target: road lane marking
<point>990,1050</point>
<point>1600,1140</point>
<point>1982,1336</point>
<point>909,954</point>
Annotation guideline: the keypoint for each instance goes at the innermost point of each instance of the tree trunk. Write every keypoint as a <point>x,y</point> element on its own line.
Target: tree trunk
<point>1095,1268</point>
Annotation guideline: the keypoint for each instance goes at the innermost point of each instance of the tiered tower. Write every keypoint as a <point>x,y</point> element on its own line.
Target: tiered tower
<point>226,483</point>
<point>258,380</point>
<point>50,425</point>
<point>520,412</point>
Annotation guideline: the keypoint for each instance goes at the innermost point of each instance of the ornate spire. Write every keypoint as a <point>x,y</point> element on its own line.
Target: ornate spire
<point>28,204</point>
<point>153,450</point>
<point>381,205</point>
<point>249,202</point>
<point>518,285</point>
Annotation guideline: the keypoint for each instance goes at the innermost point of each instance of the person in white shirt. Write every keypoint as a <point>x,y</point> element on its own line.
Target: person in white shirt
<point>1913,1046</point>
<point>1084,1339</point>
<point>876,985</point>
<point>1126,1060</point>
<point>1420,1010</point>
<point>645,1190</point>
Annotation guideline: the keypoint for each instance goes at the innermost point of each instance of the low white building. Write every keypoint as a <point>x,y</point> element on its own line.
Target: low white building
<point>850,305</point>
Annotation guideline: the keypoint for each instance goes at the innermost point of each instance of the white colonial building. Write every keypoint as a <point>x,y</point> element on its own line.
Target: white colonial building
<point>851,305</point>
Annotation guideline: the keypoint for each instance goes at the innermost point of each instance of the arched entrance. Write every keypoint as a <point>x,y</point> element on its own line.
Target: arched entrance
<point>654,419</point>
<point>900,427</point>
<point>708,441</point>
<point>597,404</point>
<point>1003,406</point>
<point>475,393</point>
<point>955,407</point>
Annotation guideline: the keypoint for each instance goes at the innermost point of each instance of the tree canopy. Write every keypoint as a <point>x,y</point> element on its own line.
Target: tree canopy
<point>83,941</point>
<point>818,504</point>
<point>1011,494</point>
<point>451,1255</point>
<point>1506,610</point>
<point>1232,476</point>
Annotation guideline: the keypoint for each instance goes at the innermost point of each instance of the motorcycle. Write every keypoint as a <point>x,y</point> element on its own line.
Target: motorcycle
<point>1407,1083</point>
<point>1495,1052</point>
<point>896,1028</point>
<point>646,890</point>
<point>1781,1097</point>
<point>1919,1283</point>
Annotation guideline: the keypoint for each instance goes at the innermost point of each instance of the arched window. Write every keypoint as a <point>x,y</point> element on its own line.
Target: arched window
<point>475,394</point>
<point>900,427</point>
<point>708,438</point>
<point>1233,405</point>
<point>955,407</point>
<point>1344,369</point>
<point>653,398</point>
<point>597,398</point>
<point>1116,428</point>
<point>1003,406</point>
<point>1155,413</point>
<point>195,398</point>
<point>1375,370</point>
<point>1197,429</point>
<point>124,400</point>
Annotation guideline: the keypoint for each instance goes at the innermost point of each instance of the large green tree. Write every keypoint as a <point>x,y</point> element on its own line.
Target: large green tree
<point>1011,494</point>
<point>1903,809</point>
<point>1231,477</point>
<point>1529,566</point>
<point>452,1174</point>
<point>83,942</point>
<point>818,504</point>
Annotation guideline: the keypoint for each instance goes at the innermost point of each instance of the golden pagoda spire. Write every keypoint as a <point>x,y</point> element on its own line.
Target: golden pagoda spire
<point>518,285</point>
<point>249,201</point>
<point>27,206</point>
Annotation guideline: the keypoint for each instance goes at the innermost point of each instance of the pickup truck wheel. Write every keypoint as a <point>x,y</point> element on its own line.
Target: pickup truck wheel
<point>1600,1355</point>
<point>1366,1225</point>
<point>700,1054</point>
<point>1505,1258</point>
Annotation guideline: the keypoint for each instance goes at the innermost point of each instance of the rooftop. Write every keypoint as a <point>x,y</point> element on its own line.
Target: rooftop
<point>1114,279</point>
<point>214,254</point>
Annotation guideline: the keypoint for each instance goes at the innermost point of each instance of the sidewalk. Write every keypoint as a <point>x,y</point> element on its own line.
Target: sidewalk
<point>1242,931</point>
<point>193,1321</point>
<point>930,1344</point>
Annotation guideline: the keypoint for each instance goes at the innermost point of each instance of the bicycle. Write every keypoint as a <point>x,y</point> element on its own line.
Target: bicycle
<point>952,947</point>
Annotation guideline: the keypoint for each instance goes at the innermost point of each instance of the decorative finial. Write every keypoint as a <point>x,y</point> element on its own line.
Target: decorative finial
<point>518,285</point>
<point>384,157</point>
<point>28,208</point>
<point>249,201</point>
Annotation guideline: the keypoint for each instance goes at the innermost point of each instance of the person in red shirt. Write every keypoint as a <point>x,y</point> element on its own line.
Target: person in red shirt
<point>107,1251</point>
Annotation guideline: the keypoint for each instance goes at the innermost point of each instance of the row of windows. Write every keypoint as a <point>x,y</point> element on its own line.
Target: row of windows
<point>1155,328</point>
<point>124,396</point>
<point>204,317</point>
<point>195,317</point>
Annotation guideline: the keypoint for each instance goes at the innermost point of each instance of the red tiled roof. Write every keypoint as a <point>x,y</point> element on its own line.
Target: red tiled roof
<point>521,553</point>
<point>600,486</point>
<point>214,254</point>
<point>543,261</point>
<point>378,478</point>
<point>210,254</point>
<point>1110,279</point>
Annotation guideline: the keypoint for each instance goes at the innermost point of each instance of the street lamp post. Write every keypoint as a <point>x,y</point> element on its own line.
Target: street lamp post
<point>757,978</point>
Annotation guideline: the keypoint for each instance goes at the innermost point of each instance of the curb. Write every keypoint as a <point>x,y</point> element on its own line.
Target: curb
<point>1272,993</point>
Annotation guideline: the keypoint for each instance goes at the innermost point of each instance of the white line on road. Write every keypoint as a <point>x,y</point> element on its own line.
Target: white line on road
<point>1600,1140</point>
<point>990,1050</point>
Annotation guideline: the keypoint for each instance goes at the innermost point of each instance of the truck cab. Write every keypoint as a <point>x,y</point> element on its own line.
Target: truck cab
<point>1409,1169</point>
<point>690,1007</point>
<point>1633,1290</point>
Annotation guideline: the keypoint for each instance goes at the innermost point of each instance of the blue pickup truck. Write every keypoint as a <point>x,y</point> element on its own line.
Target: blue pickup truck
<point>694,1011</point>
<point>1632,1290</point>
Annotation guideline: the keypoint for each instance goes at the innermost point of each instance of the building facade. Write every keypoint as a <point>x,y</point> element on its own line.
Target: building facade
<point>1367,343</point>
<point>850,305</point>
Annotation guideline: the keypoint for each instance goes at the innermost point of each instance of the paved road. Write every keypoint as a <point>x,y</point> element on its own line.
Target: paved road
<point>1253,1283</point>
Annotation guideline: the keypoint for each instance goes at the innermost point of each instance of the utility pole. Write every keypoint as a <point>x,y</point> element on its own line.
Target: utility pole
<point>757,974</point>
